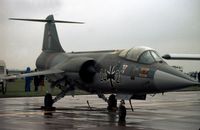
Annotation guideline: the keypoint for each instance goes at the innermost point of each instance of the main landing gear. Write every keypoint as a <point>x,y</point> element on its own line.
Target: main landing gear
<point>48,99</point>
<point>48,103</point>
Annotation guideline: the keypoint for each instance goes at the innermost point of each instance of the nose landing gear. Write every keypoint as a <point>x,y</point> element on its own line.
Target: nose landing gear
<point>112,103</point>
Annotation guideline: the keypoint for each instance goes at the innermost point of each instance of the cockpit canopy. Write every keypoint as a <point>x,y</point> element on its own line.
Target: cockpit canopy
<point>144,55</point>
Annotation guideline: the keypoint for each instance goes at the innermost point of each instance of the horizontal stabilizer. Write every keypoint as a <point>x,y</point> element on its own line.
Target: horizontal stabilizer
<point>45,72</point>
<point>46,20</point>
<point>51,41</point>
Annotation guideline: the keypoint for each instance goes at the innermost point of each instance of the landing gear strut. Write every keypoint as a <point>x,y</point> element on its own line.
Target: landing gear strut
<point>131,104</point>
<point>112,103</point>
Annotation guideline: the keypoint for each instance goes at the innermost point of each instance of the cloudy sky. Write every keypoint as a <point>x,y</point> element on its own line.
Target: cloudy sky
<point>169,26</point>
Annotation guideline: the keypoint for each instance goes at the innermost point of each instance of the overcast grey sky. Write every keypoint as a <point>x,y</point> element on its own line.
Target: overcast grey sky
<point>169,26</point>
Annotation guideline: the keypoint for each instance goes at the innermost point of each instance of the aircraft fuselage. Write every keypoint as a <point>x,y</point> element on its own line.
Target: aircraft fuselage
<point>114,74</point>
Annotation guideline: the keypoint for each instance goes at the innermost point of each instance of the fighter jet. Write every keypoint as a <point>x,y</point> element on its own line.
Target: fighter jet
<point>133,72</point>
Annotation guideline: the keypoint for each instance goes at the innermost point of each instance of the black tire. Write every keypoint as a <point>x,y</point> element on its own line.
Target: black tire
<point>48,101</point>
<point>112,103</point>
<point>122,113</point>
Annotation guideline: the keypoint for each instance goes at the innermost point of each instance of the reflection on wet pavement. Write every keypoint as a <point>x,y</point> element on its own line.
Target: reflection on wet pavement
<point>177,110</point>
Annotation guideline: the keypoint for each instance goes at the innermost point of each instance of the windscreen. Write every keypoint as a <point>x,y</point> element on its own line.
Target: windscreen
<point>146,58</point>
<point>156,56</point>
<point>149,57</point>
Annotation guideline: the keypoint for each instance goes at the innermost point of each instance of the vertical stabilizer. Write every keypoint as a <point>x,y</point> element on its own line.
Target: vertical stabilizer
<point>51,41</point>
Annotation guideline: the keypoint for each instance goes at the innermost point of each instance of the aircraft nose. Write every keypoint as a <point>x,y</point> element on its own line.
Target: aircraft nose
<point>165,81</point>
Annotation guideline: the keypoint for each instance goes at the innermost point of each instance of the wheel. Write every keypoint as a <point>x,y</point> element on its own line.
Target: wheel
<point>122,111</point>
<point>112,103</point>
<point>48,101</point>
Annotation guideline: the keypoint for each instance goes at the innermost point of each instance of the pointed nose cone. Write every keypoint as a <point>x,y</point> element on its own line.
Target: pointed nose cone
<point>165,81</point>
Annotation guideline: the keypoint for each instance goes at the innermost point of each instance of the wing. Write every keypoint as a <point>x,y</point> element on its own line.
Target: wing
<point>182,56</point>
<point>45,72</point>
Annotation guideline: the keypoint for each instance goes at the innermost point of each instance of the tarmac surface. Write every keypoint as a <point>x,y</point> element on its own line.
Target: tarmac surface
<point>171,111</point>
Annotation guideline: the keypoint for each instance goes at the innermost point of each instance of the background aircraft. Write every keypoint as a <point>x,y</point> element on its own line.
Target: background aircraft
<point>132,73</point>
<point>3,73</point>
<point>181,56</point>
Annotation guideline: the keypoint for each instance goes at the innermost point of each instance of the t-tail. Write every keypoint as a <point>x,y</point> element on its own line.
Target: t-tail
<point>51,41</point>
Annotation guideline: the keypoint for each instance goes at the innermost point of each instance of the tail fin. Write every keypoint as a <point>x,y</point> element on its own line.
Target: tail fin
<point>51,41</point>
